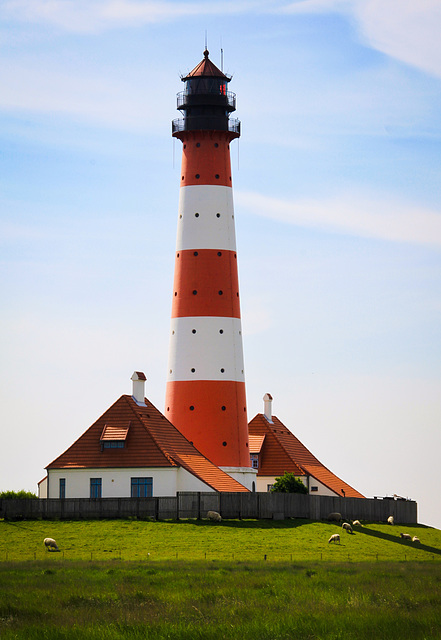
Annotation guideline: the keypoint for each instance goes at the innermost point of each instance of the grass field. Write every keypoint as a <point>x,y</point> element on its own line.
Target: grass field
<point>209,581</point>
<point>284,540</point>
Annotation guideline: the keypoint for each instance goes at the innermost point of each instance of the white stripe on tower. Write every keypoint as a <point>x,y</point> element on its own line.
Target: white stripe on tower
<point>205,397</point>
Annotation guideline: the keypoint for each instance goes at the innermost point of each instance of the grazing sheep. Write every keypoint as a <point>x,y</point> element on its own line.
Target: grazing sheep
<point>391,520</point>
<point>405,536</point>
<point>356,523</point>
<point>347,527</point>
<point>416,539</point>
<point>334,517</point>
<point>334,538</point>
<point>214,516</point>
<point>50,544</point>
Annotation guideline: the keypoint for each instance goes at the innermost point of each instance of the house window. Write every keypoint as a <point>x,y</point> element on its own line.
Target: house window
<point>113,444</point>
<point>269,487</point>
<point>314,489</point>
<point>254,460</point>
<point>141,487</point>
<point>62,493</point>
<point>95,487</point>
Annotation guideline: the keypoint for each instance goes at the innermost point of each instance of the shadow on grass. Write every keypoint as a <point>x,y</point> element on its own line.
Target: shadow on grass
<point>248,524</point>
<point>393,538</point>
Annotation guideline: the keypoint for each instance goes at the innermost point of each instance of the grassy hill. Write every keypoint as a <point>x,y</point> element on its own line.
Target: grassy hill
<point>199,539</point>
<point>247,580</point>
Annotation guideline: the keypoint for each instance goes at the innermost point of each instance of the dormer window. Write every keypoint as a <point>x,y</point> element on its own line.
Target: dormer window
<point>113,437</point>
<point>113,444</point>
<point>254,460</point>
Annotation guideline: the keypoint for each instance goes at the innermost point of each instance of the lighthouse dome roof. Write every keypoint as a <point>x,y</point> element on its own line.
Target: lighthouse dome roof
<point>206,68</point>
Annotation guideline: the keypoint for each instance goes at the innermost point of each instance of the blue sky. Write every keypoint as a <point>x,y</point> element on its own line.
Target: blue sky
<point>338,212</point>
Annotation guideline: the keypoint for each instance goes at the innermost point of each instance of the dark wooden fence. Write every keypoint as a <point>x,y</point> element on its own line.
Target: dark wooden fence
<point>276,506</point>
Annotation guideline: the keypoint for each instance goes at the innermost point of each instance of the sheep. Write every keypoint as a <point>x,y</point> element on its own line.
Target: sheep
<point>50,544</point>
<point>356,523</point>
<point>334,517</point>
<point>334,538</point>
<point>416,539</point>
<point>347,527</point>
<point>390,520</point>
<point>214,516</point>
<point>405,536</point>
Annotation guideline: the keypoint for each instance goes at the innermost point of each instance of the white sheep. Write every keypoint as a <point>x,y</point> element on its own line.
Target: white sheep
<point>334,538</point>
<point>50,544</point>
<point>347,527</point>
<point>390,520</point>
<point>416,539</point>
<point>214,516</point>
<point>356,523</point>
<point>334,517</point>
<point>405,536</point>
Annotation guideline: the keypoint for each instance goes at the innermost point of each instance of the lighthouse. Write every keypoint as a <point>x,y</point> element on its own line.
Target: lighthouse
<point>205,392</point>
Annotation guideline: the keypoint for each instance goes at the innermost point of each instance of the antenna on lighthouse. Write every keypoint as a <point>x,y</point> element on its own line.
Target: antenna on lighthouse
<point>222,55</point>
<point>206,43</point>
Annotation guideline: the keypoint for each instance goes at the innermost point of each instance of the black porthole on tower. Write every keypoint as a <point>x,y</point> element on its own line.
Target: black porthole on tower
<point>196,215</point>
<point>177,255</point>
<point>219,253</point>
<point>191,408</point>
<point>176,293</point>
<point>180,216</point>
<point>193,330</point>
<point>198,144</point>
<point>224,444</point>
<point>197,176</point>
<point>168,408</point>
<point>224,408</point>
<point>193,370</point>
<point>195,253</point>
<point>195,293</point>
<point>222,370</point>
<point>220,292</point>
<point>216,145</point>
<point>221,330</point>
<point>185,146</point>
<point>217,176</point>
<point>182,178</point>
<point>217,215</point>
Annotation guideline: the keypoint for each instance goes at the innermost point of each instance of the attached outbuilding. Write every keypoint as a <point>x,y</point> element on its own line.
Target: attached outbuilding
<point>274,450</point>
<point>132,450</point>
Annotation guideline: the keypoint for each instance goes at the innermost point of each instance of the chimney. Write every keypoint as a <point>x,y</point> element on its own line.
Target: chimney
<point>138,387</point>
<point>267,410</point>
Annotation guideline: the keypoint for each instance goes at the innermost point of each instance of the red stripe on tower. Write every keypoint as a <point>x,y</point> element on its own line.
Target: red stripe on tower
<point>205,397</point>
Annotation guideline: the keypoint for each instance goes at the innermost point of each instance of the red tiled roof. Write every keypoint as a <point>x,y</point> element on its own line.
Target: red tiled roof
<point>206,68</point>
<point>114,433</point>
<point>255,443</point>
<point>152,441</point>
<point>282,452</point>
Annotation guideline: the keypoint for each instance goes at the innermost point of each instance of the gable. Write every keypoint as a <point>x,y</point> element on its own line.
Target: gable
<point>281,444</point>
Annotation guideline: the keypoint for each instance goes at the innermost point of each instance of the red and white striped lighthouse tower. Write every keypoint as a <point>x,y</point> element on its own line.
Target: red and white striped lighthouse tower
<point>205,397</point>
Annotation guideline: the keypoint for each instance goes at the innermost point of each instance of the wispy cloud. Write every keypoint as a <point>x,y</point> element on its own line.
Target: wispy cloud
<point>91,16</point>
<point>407,30</point>
<point>52,86</point>
<point>352,213</point>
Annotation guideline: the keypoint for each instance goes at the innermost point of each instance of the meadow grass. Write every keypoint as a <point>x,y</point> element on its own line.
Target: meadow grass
<point>284,540</point>
<point>263,580</point>
<point>219,599</point>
